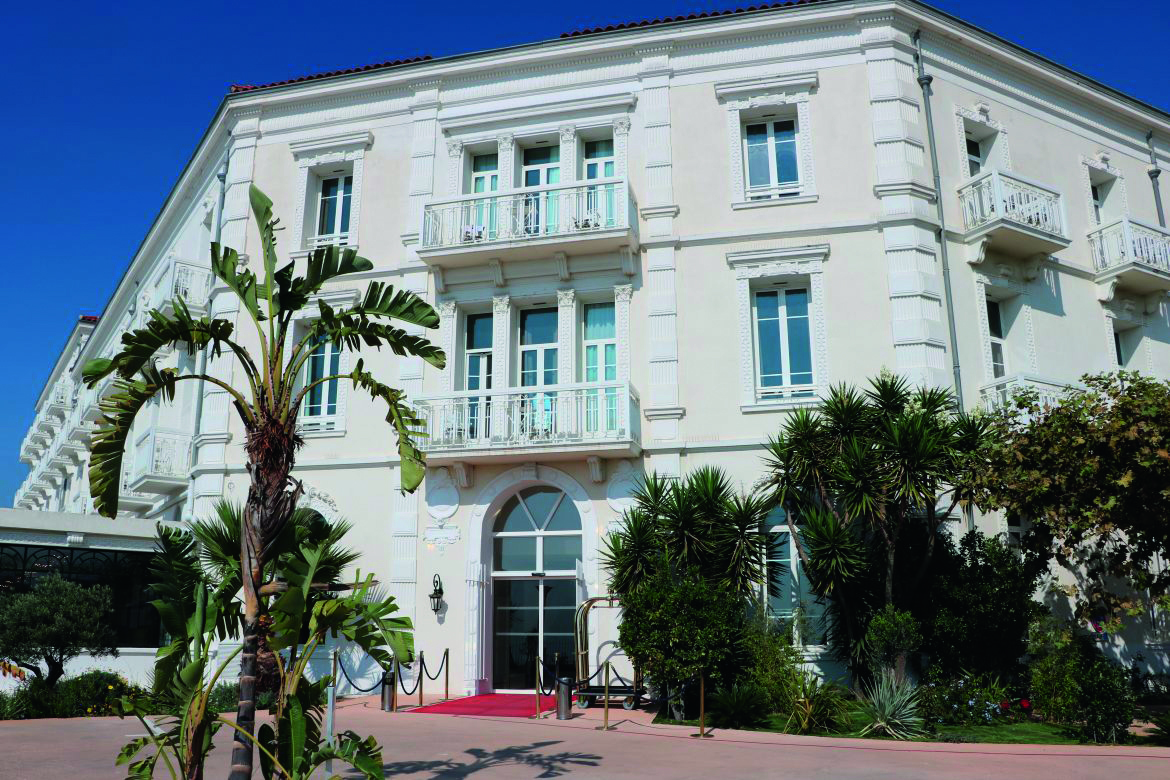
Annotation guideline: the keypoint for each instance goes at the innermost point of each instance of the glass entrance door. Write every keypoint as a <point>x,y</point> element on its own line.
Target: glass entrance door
<point>536,550</point>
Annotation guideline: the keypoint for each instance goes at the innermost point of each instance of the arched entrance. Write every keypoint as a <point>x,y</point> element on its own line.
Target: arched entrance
<point>536,552</point>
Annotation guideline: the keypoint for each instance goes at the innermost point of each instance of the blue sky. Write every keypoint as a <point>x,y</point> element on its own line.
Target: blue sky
<point>107,101</point>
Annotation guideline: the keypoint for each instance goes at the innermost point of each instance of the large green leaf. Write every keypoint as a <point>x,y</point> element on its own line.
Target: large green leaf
<point>108,441</point>
<point>262,211</point>
<point>225,264</point>
<point>353,330</point>
<point>407,425</point>
<point>382,300</point>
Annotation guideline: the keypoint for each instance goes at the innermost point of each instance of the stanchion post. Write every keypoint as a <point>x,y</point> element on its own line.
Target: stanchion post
<point>332,704</point>
<point>702,706</point>
<point>605,710</point>
<point>394,687</point>
<point>422,674</point>
<point>536,689</point>
<point>446,674</point>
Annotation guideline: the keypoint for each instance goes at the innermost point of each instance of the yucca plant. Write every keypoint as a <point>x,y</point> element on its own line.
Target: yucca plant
<point>890,707</point>
<point>814,705</point>
<point>268,399</point>
<point>743,705</point>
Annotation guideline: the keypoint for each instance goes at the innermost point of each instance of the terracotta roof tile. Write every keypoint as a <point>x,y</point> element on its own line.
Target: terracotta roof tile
<point>684,18</point>
<point>238,88</point>
<point>88,319</point>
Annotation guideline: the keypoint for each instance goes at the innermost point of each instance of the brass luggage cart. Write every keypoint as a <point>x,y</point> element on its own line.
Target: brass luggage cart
<point>590,687</point>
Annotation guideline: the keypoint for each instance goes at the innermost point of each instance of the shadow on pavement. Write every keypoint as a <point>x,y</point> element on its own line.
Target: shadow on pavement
<point>548,764</point>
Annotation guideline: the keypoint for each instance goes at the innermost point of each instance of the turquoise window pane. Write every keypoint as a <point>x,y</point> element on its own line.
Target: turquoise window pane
<point>799,351</point>
<point>528,368</point>
<point>553,177</point>
<point>485,162</point>
<point>610,362</point>
<point>771,362</point>
<point>591,363</point>
<point>345,201</point>
<point>542,155</point>
<point>531,178</point>
<point>550,366</point>
<point>595,149</point>
<point>512,517</point>
<point>757,153</point>
<point>540,502</point>
<point>538,326</point>
<point>599,321</point>
<point>479,331</point>
<point>796,303</point>
<point>561,553</point>
<point>767,305</point>
<point>515,553</point>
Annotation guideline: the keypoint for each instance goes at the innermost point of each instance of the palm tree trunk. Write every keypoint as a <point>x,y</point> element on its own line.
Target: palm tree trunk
<point>246,708</point>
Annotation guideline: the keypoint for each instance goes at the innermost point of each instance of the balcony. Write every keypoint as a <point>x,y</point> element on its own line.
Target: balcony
<point>130,500</point>
<point>32,447</point>
<point>999,393</point>
<point>161,462</point>
<point>582,218</point>
<point>1012,215</point>
<point>572,421</point>
<point>60,400</point>
<point>1132,254</point>
<point>188,281</point>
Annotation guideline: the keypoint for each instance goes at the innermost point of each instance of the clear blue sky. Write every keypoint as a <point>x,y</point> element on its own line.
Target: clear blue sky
<point>105,103</point>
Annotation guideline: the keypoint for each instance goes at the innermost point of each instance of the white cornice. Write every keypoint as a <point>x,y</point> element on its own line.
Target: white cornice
<point>766,85</point>
<point>783,254</point>
<point>332,143</point>
<point>621,102</point>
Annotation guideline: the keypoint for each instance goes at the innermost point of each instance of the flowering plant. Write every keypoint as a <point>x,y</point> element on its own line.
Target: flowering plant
<point>970,700</point>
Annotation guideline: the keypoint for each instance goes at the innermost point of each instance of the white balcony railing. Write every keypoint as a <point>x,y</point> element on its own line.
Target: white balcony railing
<point>567,415</point>
<point>525,215</point>
<point>184,280</point>
<point>994,395</point>
<point>328,239</point>
<point>994,195</point>
<point>1125,240</point>
<point>161,460</point>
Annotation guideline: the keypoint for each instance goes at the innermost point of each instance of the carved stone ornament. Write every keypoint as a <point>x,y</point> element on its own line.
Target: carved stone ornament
<point>454,148</point>
<point>620,489</point>
<point>621,125</point>
<point>321,502</point>
<point>441,494</point>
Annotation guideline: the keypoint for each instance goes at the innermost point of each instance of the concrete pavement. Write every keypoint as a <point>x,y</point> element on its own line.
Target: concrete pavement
<point>442,747</point>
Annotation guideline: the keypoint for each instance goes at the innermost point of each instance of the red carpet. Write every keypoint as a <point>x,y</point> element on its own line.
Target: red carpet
<point>506,705</point>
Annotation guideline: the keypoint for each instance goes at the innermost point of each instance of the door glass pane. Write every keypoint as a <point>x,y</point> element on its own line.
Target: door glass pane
<point>528,372</point>
<point>595,149</point>
<point>591,363</point>
<point>531,178</point>
<point>517,633</point>
<point>780,562</point>
<point>610,362</point>
<point>559,605</point>
<point>994,321</point>
<point>599,321</point>
<point>757,156</point>
<point>515,553</point>
<point>561,553</point>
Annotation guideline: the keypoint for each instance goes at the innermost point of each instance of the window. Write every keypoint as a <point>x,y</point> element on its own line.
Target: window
<point>538,369</point>
<point>1098,201</point>
<point>599,199</point>
<point>995,334</point>
<point>793,599</point>
<point>1120,353</point>
<point>321,408</point>
<point>485,178</point>
<point>537,530</point>
<point>541,167</point>
<point>783,343</point>
<point>600,353</point>
<point>333,210</point>
<point>772,159</point>
<point>478,372</point>
<point>976,161</point>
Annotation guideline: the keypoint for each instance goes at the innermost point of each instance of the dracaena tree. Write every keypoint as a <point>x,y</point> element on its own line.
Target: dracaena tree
<point>268,397</point>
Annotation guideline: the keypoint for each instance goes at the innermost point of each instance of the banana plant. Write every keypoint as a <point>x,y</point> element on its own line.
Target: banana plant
<point>269,397</point>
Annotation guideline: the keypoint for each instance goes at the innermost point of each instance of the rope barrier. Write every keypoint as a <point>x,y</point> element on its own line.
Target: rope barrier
<point>402,683</point>
<point>354,685</point>
<point>438,671</point>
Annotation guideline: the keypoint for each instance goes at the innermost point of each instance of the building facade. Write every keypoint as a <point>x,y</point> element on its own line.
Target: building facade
<point>646,244</point>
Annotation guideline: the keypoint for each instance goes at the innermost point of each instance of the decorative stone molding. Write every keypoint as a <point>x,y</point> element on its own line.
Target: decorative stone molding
<point>322,503</point>
<point>344,148</point>
<point>980,115</point>
<point>442,497</point>
<point>497,269</point>
<point>620,489</point>
<point>566,337</point>
<point>806,261</point>
<point>454,166</point>
<point>1100,162</point>
<point>562,263</point>
<point>463,474</point>
<point>596,468</point>
<point>448,310</point>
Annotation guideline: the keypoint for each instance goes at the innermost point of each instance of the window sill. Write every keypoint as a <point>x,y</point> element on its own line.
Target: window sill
<point>779,405</point>
<point>324,434</point>
<point>756,204</point>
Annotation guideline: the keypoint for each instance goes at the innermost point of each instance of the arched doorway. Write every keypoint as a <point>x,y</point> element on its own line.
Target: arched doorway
<point>535,559</point>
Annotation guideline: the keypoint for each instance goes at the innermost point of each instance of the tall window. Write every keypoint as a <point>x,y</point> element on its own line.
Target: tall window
<point>600,353</point>
<point>794,599</point>
<point>542,166</point>
<point>975,158</point>
<point>770,151</point>
<point>320,403</point>
<point>485,178</point>
<point>333,208</point>
<point>995,333</point>
<point>599,199</point>
<point>478,372</point>
<point>1098,201</point>
<point>538,370</point>
<point>783,343</point>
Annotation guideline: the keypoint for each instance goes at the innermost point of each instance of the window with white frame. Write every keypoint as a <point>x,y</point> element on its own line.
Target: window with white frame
<point>321,408</point>
<point>1126,337</point>
<point>599,350</point>
<point>784,365</point>
<point>995,339</point>
<point>477,372</point>
<point>793,600</point>
<point>334,203</point>
<point>976,156</point>
<point>600,199</point>
<point>771,157</point>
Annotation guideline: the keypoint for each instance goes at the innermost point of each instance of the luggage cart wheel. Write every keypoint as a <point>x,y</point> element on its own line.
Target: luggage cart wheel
<point>583,701</point>
<point>629,703</point>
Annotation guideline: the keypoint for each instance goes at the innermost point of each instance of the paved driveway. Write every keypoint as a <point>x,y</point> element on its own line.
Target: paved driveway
<point>434,747</point>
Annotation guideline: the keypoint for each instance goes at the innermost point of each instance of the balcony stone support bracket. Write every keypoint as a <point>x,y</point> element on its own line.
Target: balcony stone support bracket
<point>596,469</point>
<point>506,161</point>
<point>463,474</point>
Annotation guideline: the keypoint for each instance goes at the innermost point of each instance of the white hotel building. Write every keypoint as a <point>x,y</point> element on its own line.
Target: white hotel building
<point>646,243</point>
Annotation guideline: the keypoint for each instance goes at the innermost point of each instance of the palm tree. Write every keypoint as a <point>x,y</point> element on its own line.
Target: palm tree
<point>270,403</point>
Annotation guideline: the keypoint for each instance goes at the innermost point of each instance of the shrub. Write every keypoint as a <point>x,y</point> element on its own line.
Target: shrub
<point>814,705</point>
<point>968,699</point>
<point>890,707</point>
<point>739,706</point>
<point>225,697</point>
<point>89,694</point>
<point>1160,734</point>
<point>891,636</point>
<point>1073,684</point>
<point>770,660</point>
